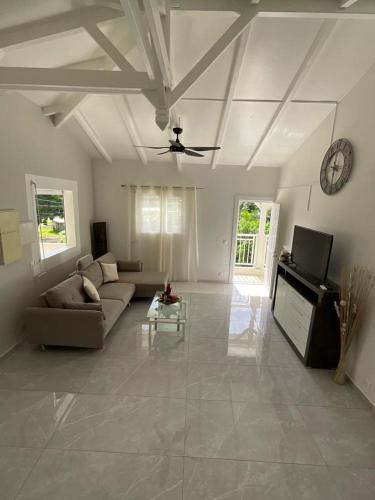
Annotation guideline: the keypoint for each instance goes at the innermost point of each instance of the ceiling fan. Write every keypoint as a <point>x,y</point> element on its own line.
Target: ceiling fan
<point>177,147</point>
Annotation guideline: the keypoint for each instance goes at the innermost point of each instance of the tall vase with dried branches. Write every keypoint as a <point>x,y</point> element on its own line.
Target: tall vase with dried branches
<point>356,286</point>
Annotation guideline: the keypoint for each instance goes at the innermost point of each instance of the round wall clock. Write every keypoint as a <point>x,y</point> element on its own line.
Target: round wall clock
<point>337,166</point>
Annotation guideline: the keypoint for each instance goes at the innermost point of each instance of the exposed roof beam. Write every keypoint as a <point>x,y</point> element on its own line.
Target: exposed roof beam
<point>127,118</point>
<point>348,3</point>
<point>315,49</point>
<point>108,47</point>
<point>160,46</point>
<point>92,135</point>
<point>157,97</point>
<point>133,13</point>
<point>285,8</point>
<point>65,80</point>
<point>54,25</point>
<point>231,88</point>
<point>212,54</point>
<point>73,102</point>
<point>93,63</point>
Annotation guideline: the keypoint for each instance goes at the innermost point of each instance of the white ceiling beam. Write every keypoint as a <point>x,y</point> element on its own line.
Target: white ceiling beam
<point>54,25</point>
<point>93,63</point>
<point>157,35</point>
<point>235,73</point>
<point>92,135</point>
<point>212,54</point>
<point>158,96</point>
<point>65,80</point>
<point>348,3</point>
<point>314,51</point>
<point>285,8</point>
<point>98,36</point>
<point>135,16</point>
<point>72,104</point>
<point>128,120</point>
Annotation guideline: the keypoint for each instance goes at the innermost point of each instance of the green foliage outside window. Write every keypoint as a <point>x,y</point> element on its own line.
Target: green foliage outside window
<point>248,221</point>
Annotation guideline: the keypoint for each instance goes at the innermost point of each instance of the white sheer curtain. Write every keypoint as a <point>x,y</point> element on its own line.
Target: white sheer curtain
<point>163,230</point>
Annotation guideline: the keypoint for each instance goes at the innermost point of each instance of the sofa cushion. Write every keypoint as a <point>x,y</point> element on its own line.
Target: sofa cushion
<point>85,306</point>
<point>110,273</point>
<point>84,262</point>
<point>90,290</point>
<point>111,311</point>
<point>107,258</point>
<point>70,290</point>
<point>94,273</point>
<point>146,283</point>
<point>117,291</point>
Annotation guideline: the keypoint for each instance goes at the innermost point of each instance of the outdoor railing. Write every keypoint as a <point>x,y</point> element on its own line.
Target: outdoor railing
<point>245,250</point>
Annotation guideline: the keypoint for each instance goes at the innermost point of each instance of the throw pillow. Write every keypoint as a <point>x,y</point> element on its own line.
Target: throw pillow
<point>109,272</point>
<point>90,290</point>
<point>85,306</point>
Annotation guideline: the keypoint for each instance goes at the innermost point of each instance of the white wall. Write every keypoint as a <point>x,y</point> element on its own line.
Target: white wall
<point>30,144</point>
<point>348,215</point>
<point>215,203</point>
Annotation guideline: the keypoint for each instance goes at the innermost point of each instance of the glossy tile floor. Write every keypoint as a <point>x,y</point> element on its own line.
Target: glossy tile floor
<point>230,414</point>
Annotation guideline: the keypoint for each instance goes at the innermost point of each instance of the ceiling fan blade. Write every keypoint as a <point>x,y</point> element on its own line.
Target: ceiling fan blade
<point>192,153</point>
<point>153,147</point>
<point>204,148</point>
<point>163,153</point>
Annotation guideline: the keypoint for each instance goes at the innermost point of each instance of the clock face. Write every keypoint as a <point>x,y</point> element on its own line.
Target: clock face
<point>336,167</point>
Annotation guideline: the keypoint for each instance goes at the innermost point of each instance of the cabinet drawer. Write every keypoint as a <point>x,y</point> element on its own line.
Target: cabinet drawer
<point>298,334</point>
<point>298,316</point>
<point>300,303</point>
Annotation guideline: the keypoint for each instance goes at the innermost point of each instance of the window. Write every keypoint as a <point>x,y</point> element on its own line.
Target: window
<point>53,207</point>
<point>157,211</point>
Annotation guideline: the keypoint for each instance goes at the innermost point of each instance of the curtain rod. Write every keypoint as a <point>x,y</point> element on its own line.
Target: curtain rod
<point>172,187</point>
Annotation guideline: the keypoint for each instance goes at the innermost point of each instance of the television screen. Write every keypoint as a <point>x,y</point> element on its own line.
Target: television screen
<point>311,251</point>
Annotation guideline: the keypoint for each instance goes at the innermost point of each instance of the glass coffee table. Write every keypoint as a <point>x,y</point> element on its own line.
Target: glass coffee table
<point>161,314</point>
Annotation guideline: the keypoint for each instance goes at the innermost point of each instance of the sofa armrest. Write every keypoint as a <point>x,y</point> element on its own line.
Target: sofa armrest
<point>65,327</point>
<point>130,266</point>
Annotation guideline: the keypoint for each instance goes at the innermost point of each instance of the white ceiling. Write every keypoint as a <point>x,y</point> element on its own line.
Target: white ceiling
<point>275,51</point>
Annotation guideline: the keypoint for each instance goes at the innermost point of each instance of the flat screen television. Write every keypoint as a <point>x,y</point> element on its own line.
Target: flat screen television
<point>311,251</point>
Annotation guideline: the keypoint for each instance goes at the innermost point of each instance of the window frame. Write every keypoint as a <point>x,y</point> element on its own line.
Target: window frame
<point>71,210</point>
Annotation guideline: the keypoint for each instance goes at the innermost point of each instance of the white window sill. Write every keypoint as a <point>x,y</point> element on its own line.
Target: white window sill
<point>58,257</point>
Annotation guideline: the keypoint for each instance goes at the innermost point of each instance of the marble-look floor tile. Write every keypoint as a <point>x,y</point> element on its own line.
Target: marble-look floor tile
<point>165,346</point>
<point>316,388</point>
<point>345,437</point>
<point>15,465</point>
<point>210,430</point>
<point>28,418</point>
<point>272,432</point>
<point>358,484</point>
<point>156,378</point>
<point>248,431</point>
<point>123,423</point>
<point>110,374</point>
<point>221,351</point>
<point>209,381</point>
<point>264,384</point>
<point>50,370</point>
<point>82,475</point>
<point>209,328</point>
<point>207,479</point>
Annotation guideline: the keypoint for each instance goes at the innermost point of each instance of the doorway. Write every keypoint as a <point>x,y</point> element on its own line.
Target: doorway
<point>254,242</point>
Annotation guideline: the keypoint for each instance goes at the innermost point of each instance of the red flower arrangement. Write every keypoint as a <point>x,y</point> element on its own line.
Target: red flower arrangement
<point>167,298</point>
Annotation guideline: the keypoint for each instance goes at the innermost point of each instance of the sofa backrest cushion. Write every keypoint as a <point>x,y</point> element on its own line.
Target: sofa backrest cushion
<point>107,258</point>
<point>70,290</point>
<point>84,262</point>
<point>94,273</point>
